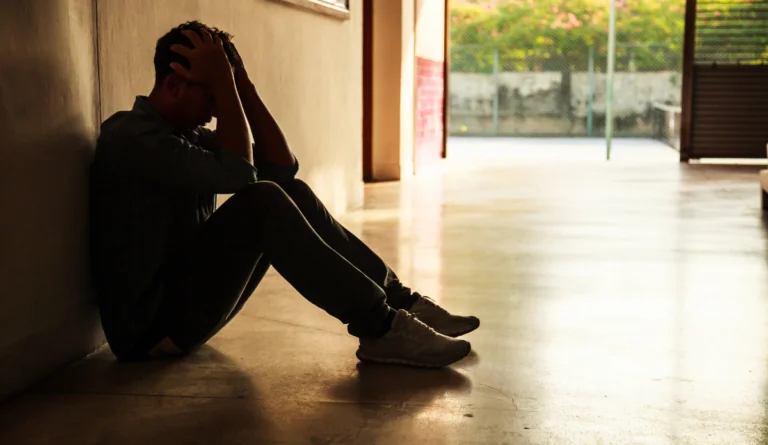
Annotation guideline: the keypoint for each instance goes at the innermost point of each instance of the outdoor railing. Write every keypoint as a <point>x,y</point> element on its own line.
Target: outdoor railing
<point>666,124</point>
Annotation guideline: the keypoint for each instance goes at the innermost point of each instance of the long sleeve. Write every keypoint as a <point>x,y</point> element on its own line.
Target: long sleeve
<point>267,171</point>
<point>173,161</point>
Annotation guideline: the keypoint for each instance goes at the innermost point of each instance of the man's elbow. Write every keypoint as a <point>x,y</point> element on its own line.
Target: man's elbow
<point>278,173</point>
<point>233,183</point>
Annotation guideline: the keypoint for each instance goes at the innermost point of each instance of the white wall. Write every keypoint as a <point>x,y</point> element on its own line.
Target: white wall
<point>430,29</point>
<point>633,92</point>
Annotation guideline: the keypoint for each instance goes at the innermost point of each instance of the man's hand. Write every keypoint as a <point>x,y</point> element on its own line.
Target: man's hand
<point>238,61</point>
<point>244,84</point>
<point>242,80</point>
<point>207,60</point>
<point>208,65</point>
<point>270,144</point>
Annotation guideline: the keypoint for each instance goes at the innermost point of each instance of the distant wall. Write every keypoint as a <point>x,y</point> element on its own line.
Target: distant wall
<point>430,81</point>
<point>554,103</point>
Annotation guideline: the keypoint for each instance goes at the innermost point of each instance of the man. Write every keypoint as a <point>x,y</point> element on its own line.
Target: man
<point>170,270</point>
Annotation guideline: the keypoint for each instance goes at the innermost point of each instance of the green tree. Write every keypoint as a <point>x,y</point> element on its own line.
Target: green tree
<point>732,32</point>
<point>546,35</point>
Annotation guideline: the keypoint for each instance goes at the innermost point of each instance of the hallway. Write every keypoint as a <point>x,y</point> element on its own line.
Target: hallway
<point>621,302</point>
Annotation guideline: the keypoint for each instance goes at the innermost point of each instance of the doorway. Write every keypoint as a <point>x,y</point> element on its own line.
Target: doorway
<point>538,72</point>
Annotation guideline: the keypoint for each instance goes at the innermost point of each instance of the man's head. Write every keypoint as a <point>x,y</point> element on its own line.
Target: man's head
<point>186,104</point>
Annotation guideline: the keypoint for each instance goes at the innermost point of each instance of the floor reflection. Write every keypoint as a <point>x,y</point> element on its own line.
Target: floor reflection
<point>622,302</point>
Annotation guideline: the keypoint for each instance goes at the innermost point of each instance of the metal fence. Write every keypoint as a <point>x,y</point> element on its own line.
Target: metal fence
<point>506,91</point>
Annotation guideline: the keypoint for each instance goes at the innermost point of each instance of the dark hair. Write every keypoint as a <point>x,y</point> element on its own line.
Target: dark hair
<point>164,56</point>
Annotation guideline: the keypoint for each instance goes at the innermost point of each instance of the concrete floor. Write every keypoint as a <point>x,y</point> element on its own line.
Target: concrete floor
<point>622,303</point>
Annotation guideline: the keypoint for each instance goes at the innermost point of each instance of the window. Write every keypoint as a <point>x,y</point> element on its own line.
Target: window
<point>339,3</point>
<point>335,8</point>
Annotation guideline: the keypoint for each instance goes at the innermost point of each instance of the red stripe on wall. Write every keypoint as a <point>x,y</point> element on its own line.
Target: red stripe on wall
<point>430,94</point>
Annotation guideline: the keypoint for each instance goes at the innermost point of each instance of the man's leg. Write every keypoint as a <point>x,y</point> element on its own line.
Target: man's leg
<point>258,274</point>
<point>262,225</point>
<point>347,244</point>
<point>256,224</point>
<point>359,254</point>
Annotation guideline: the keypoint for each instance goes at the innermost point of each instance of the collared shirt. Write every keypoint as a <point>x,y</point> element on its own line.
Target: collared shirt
<point>152,187</point>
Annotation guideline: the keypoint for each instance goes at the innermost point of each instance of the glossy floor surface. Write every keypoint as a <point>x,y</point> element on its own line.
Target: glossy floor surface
<point>622,303</point>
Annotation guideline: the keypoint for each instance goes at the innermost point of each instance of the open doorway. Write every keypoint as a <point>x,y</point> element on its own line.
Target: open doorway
<point>404,87</point>
<point>532,75</point>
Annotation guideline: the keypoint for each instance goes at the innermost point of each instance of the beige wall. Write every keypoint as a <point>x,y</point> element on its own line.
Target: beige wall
<point>48,124</point>
<point>307,67</point>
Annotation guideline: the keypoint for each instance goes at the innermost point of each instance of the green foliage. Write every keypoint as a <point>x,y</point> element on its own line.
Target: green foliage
<point>551,35</point>
<point>732,32</point>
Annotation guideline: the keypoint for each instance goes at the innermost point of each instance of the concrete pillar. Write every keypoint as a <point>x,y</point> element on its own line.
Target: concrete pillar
<point>393,47</point>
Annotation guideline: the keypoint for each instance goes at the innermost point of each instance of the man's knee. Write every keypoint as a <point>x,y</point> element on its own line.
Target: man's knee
<point>256,196</point>
<point>266,192</point>
<point>297,189</point>
<point>295,183</point>
<point>261,190</point>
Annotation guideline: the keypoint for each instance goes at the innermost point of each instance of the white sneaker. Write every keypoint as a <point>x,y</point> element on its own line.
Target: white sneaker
<point>426,310</point>
<point>411,342</point>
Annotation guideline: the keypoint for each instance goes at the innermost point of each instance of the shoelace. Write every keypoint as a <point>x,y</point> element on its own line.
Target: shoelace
<point>416,329</point>
<point>431,303</point>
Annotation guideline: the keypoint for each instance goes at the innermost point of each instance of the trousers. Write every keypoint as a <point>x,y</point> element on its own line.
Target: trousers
<point>287,227</point>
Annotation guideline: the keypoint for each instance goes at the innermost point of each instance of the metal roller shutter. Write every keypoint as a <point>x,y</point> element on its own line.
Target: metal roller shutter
<point>729,106</point>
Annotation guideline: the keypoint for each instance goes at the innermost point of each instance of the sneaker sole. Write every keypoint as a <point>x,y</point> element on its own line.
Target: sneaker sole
<point>402,362</point>
<point>460,333</point>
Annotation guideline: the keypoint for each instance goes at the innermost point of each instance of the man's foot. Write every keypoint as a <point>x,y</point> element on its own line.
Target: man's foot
<point>411,342</point>
<point>426,310</point>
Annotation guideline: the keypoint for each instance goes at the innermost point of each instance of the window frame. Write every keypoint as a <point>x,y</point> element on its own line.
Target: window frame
<point>335,8</point>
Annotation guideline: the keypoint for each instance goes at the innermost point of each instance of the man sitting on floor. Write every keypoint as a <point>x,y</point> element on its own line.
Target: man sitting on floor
<point>171,270</point>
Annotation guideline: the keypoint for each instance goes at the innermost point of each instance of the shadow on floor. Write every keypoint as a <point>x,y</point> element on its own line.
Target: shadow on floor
<point>208,397</point>
<point>410,387</point>
<point>100,400</point>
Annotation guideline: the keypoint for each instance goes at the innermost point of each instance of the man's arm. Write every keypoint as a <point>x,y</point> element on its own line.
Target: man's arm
<point>231,126</point>
<point>164,158</point>
<point>270,143</point>
<point>209,66</point>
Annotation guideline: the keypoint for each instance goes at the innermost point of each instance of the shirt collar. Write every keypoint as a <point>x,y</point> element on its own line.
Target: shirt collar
<point>142,106</point>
